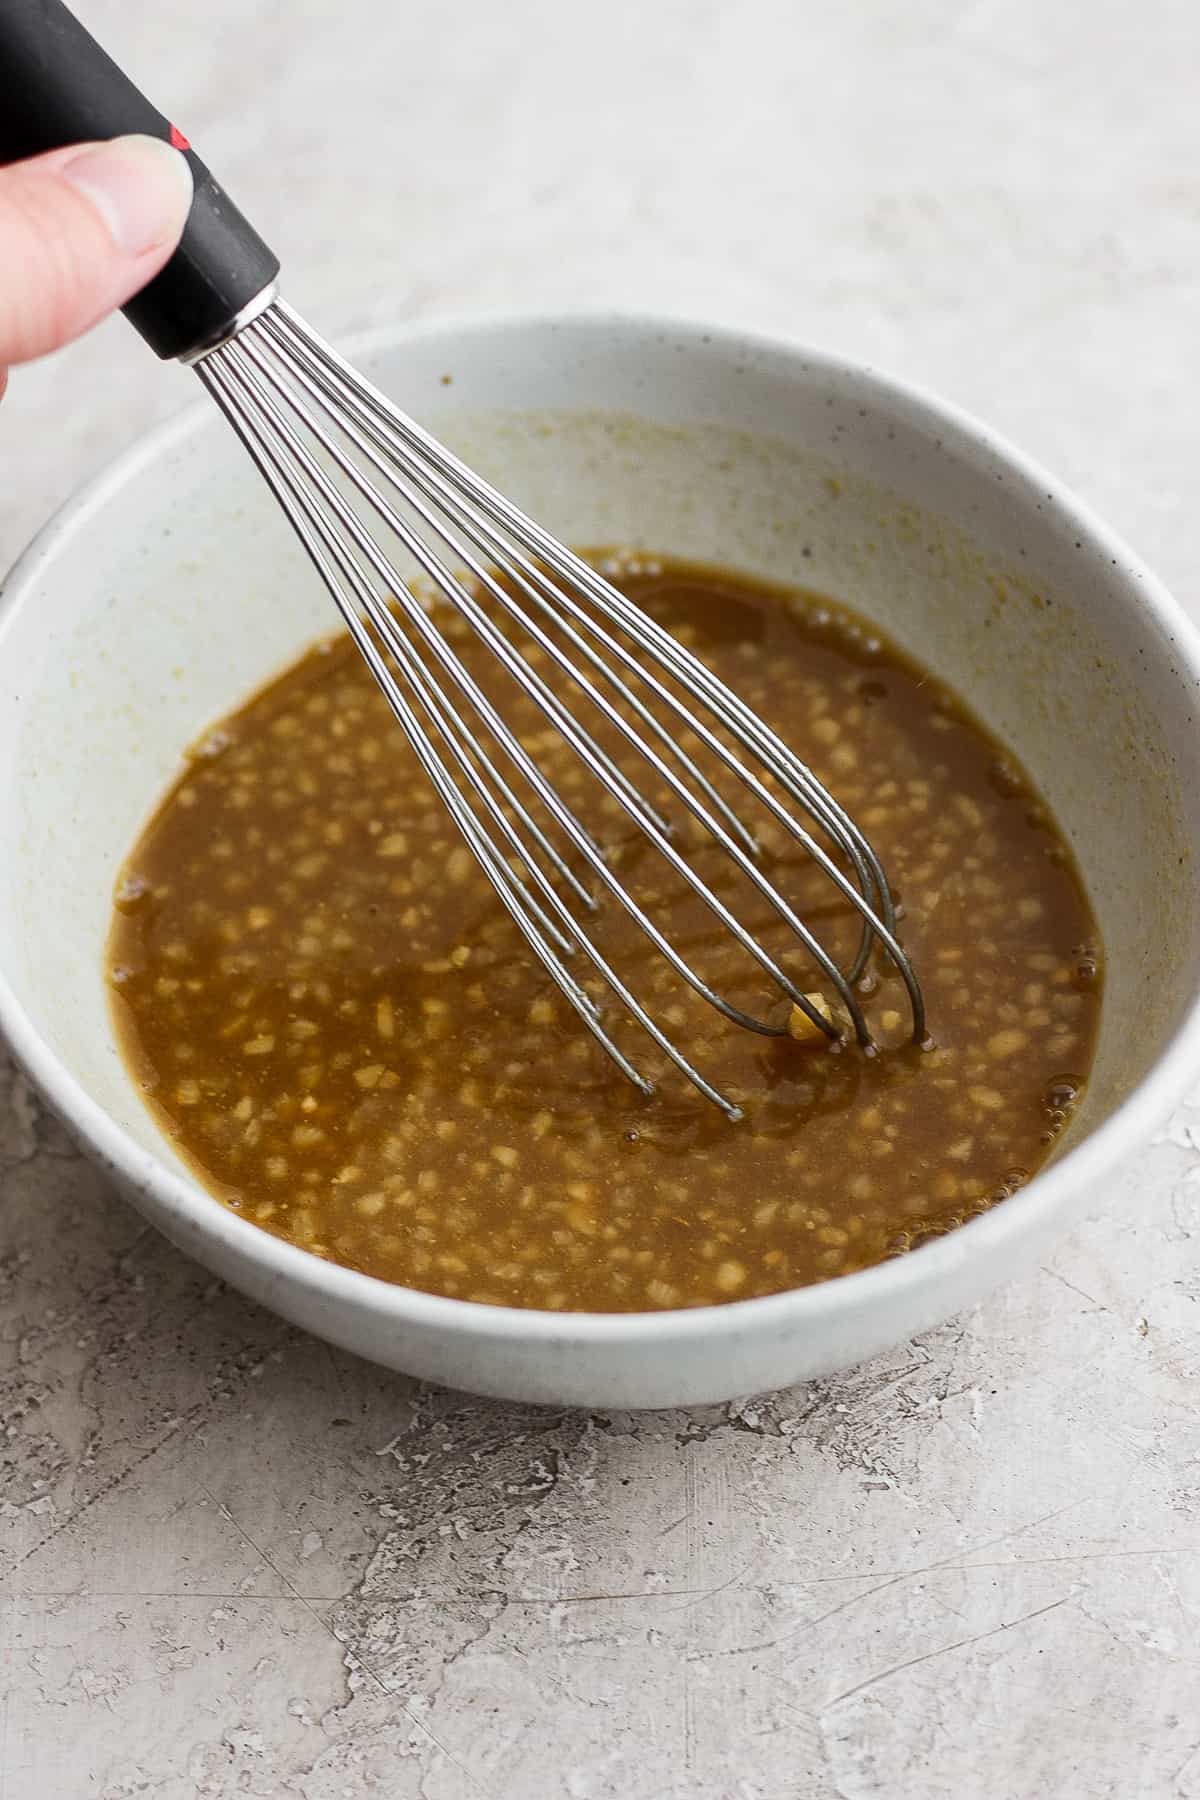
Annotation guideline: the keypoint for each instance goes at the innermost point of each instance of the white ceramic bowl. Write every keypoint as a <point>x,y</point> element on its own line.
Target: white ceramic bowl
<point>156,600</point>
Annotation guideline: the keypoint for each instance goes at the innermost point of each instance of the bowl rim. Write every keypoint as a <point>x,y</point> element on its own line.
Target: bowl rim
<point>200,1216</point>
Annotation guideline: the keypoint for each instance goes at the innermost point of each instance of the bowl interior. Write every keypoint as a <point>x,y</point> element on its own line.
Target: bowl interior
<point>175,587</point>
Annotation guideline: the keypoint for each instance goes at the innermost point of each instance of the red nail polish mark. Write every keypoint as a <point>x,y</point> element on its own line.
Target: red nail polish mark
<point>178,140</point>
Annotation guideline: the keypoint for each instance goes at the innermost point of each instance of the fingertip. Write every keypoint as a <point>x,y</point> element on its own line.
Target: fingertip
<point>84,230</point>
<point>141,187</point>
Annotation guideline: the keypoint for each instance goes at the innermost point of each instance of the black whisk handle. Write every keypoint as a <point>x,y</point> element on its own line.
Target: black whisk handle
<point>57,87</point>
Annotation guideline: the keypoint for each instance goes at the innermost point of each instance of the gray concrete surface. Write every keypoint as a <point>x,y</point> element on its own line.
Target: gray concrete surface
<point>236,1562</point>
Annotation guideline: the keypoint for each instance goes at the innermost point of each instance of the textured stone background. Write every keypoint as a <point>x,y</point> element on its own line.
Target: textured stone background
<point>235,1562</point>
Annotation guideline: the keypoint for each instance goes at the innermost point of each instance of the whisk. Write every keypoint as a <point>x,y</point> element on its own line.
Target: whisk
<point>358,479</point>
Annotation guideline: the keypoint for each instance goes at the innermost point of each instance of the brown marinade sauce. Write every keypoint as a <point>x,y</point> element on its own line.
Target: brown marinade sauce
<point>340,1029</point>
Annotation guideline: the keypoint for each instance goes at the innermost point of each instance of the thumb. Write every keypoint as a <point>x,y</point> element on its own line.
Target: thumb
<point>81,230</point>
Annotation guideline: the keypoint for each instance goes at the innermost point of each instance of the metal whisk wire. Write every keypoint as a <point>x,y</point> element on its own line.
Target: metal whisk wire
<point>352,473</point>
<point>332,448</point>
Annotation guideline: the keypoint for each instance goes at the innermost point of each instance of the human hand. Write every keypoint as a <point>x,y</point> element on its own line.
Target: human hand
<point>82,229</point>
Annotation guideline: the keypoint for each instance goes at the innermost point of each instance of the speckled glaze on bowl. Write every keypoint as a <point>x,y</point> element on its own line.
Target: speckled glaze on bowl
<point>169,588</point>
